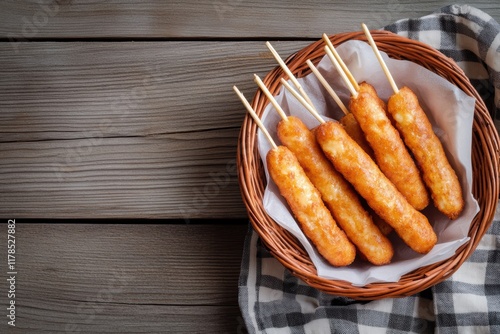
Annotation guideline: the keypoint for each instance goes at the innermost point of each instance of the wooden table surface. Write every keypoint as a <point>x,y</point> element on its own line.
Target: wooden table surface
<point>118,134</point>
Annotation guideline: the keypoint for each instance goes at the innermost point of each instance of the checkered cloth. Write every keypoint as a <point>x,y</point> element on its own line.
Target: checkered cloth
<point>274,301</point>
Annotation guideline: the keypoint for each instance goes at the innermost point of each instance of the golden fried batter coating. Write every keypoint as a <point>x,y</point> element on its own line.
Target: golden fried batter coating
<point>365,87</point>
<point>385,228</point>
<point>380,193</point>
<point>308,208</point>
<point>352,127</point>
<point>428,151</point>
<point>338,195</point>
<point>390,152</point>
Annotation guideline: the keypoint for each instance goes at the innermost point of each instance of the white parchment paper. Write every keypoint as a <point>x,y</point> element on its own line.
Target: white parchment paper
<point>450,111</point>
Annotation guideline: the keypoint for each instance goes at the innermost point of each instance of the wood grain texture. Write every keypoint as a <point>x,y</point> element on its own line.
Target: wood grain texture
<point>113,278</point>
<point>20,20</point>
<point>148,130</point>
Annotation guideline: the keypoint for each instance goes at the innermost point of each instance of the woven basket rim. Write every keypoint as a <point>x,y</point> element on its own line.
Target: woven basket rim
<point>485,162</point>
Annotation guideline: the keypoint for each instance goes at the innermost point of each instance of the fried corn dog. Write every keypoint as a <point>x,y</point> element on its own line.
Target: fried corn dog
<point>353,129</point>
<point>351,125</point>
<point>390,152</point>
<point>379,192</point>
<point>428,151</point>
<point>338,195</point>
<point>307,206</point>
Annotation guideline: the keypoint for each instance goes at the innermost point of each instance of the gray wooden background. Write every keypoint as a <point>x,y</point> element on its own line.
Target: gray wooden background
<point>123,109</point>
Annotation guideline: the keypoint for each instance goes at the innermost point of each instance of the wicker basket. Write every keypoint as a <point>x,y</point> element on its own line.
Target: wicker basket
<point>287,249</point>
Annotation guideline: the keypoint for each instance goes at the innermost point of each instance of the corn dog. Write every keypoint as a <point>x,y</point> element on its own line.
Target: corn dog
<point>307,206</point>
<point>380,193</point>
<point>350,124</point>
<point>390,152</point>
<point>353,129</point>
<point>338,195</point>
<point>418,135</point>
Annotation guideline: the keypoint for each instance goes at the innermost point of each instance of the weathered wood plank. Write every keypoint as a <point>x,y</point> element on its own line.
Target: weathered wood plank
<point>114,278</point>
<point>20,20</point>
<point>125,129</point>
<point>52,317</point>
<point>79,90</point>
<point>184,176</point>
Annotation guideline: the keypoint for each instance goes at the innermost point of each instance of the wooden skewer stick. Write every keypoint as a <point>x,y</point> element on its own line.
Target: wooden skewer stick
<point>327,86</point>
<point>302,101</point>
<point>270,97</point>
<point>380,59</point>
<point>255,117</point>
<point>341,62</point>
<point>289,73</point>
<point>351,88</point>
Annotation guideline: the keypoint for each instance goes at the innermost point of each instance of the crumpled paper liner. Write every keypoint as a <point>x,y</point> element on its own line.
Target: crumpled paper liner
<point>449,110</point>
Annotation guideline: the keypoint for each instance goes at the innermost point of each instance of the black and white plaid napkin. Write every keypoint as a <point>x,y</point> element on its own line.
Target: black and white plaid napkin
<point>274,301</point>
